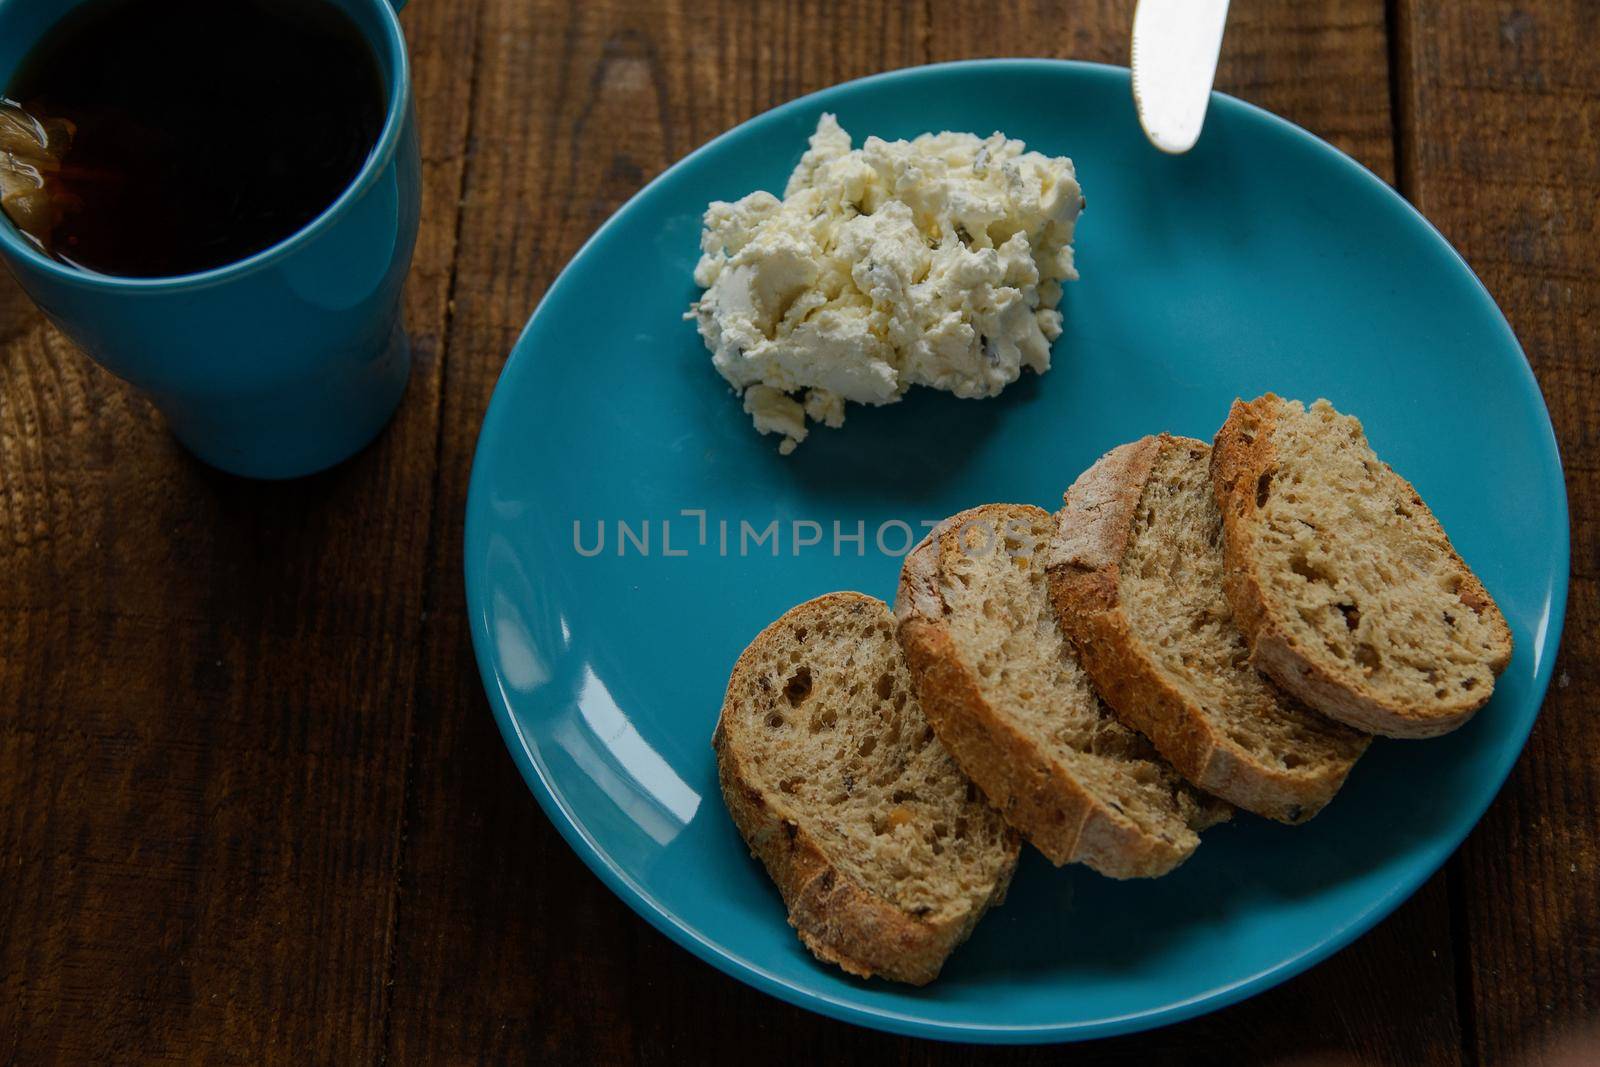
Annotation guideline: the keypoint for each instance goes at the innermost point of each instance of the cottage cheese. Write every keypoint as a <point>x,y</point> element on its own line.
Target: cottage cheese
<point>936,262</point>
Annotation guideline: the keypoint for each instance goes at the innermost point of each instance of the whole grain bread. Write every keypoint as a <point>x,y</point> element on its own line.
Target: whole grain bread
<point>1136,579</point>
<point>885,854</point>
<point>1006,695</point>
<point>1351,595</point>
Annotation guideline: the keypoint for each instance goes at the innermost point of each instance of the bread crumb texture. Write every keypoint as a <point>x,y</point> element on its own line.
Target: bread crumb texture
<point>1003,627</point>
<point>1359,574</point>
<point>1171,592</point>
<point>830,730</point>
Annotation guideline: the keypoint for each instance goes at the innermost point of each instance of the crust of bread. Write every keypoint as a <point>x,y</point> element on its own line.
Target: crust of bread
<point>839,920</point>
<point>1240,457</point>
<point>1094,531</point>
<point>1057,815</point>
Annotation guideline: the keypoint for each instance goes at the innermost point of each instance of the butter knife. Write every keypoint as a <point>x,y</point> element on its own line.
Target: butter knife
<point>1175,48</point>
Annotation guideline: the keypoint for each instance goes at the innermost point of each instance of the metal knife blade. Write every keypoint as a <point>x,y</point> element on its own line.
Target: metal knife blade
<point>1175,47</point>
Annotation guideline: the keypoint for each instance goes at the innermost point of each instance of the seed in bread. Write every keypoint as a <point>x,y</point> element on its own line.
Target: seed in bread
<point>1006,695</point>
<point>885,854</point>
<point>1136,579</point>
<point>1351,595</point>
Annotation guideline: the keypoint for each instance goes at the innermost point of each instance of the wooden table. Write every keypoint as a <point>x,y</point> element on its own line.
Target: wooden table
<point>253,806</point>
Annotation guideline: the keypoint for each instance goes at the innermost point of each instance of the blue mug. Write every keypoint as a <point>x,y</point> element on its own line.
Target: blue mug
<point>287,361</point>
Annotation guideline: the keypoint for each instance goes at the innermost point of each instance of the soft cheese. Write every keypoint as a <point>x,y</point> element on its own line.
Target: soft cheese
<point>935,261</point>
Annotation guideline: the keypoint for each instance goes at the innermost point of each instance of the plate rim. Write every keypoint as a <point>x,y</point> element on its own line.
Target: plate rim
<point>1434,854</point>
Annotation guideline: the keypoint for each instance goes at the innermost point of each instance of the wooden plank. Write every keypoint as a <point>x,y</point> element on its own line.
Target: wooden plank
<point>1389,998</point>
<point>205,692</point>
<point>1323,65</point>
<point>507,946</point>
<point>1499,141</point>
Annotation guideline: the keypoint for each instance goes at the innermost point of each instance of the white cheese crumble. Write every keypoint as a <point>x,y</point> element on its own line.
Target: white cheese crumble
<point>936,261</point>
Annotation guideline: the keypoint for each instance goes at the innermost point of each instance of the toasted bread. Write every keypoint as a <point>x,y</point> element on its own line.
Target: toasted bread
<point>1350,593</point>
<point>1136,579</point>
<point>885,854</point>
<point>1006,695</point>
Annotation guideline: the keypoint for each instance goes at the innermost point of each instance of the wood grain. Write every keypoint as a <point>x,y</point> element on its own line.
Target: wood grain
<point>205,694</point>
<point>506,945</point>
<point>508,948</point>
<point>1500,133</point>
<point>1280,54</point>
<point>253,806</point>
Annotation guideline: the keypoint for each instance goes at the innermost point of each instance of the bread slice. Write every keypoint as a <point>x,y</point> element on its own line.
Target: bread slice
<point>1136,579</point>
<point>1006,695</point>
<point>885,854</point>
<point>1347,587</point>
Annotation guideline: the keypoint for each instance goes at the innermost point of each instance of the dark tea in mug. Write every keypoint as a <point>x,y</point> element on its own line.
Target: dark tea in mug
<point>197,132</point>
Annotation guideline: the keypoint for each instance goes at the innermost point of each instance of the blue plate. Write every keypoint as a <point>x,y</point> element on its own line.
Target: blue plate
<point>1263,260</point>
